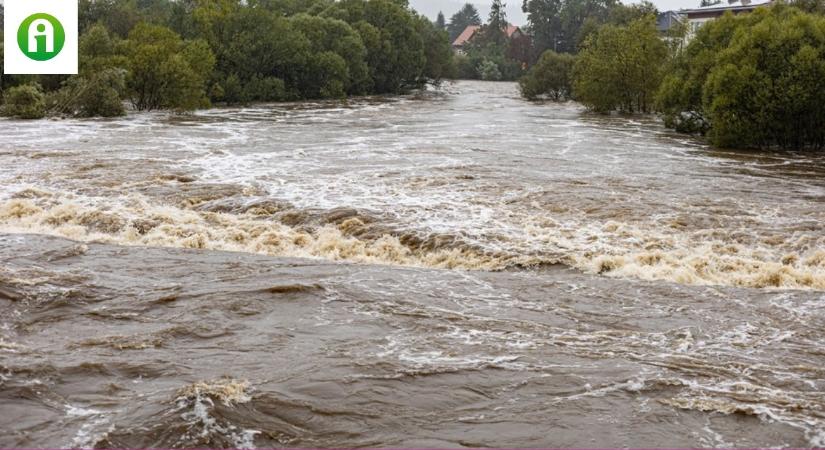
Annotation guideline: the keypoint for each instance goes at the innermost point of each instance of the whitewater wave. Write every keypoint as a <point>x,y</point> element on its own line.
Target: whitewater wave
<point>611,249</point>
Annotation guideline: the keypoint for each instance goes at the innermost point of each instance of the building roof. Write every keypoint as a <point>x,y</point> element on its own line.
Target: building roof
<point>729,5</point>
<point>469,32</point>
<point>466,35</point>
<point>511,30</point>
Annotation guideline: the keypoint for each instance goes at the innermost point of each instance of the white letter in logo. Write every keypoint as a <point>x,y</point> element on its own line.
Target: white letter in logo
<point>41,27</point>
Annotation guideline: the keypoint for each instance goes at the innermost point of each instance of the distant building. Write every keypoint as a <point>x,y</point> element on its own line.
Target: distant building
<point>459,45</point>
<point>668,20</point>
<point>699,16</point>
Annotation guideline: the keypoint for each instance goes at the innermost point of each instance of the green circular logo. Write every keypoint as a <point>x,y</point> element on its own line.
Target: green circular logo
<point>41,37</point>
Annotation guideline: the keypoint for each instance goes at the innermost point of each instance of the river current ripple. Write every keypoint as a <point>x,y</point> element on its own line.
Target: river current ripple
<point>457,267</point>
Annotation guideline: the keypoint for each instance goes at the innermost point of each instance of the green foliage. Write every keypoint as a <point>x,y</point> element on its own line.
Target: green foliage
<point>465,17</point>
<point>466,68</point>
<point>491,55</point>
<point>99,51</point>
<point>180,54</point>
<point>166,72</point>
<point>620,68</point>
<point>488,71</point>
<point>752,81</point>
<point>470,65</point>
<point>441,22</point>
<point>680,96</point>
<point>326,35</point>
<point>395,50</point>
<point>551,77</point>
<point>94,94</point>
<point>269,89</point>
<point>437,51</point>
<point>810,6</point>
<point>117,16</point>
<point>254,45</point>
<point>24,102</point>
<point>560,25</point>
<point>2,63</point>
<point>495,31</point>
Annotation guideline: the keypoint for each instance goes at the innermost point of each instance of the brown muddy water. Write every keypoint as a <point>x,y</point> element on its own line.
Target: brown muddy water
<point>454,268</point>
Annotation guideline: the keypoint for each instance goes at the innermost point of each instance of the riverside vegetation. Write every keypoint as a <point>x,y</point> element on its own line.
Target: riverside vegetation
<point>748,81</point>
<point>184,55</point>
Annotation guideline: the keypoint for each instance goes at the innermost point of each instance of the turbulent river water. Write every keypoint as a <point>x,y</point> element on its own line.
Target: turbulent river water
<point>452,268</point>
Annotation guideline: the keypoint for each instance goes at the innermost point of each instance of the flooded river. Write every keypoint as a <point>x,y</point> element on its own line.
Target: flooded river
<point>452,268</point>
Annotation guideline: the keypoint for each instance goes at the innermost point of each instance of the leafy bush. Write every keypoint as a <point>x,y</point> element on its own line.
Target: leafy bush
<point>551,77</point>
<point>752,81</point>
<point>620,68</point>
<point>337,37</point>
<point>488,71</point>
<point>166,72</point>
<point>437,51</point>
<point>466,68</point>
<point>395,50</point>
<point>24,102</point>
<point>265,89</point>
<point>92,95</point>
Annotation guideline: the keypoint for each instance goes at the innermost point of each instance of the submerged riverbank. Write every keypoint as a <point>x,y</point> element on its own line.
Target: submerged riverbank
<point>602,273</point>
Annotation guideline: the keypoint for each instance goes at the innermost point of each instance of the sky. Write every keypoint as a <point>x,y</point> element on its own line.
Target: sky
<point>430,8</point>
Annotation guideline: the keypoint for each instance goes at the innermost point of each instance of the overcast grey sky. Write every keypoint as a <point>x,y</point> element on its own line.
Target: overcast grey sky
<point>430,8</point>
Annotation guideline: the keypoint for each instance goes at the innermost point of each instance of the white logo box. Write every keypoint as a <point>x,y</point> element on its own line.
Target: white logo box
<point>17,63</point>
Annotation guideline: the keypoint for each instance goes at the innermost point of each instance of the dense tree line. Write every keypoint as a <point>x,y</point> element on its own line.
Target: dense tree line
<point>186,54</point>
<point>561,26</point>
<point>747,81</point>
<point>564,25</point>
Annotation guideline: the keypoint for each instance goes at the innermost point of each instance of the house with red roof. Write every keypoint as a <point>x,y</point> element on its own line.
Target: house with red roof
<point>471,32</point>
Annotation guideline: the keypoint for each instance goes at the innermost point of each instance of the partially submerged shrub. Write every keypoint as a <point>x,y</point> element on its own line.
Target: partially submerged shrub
<point>488,70</point>
<point>551,77</point>
<point>93,95</point>
<point>24,102</point>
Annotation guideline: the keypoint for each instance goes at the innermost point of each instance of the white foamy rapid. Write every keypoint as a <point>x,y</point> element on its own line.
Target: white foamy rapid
<point>468,178</point>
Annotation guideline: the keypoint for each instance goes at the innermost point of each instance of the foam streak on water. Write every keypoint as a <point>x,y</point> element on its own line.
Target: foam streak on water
<point>505,274</point>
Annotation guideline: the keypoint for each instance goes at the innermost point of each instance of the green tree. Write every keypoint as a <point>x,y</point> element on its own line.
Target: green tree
<point>488,71</point>
<point>465,17</point>
<point>440,21</point>
<point>99,50</point>
<point>494,32</point>
<point>118,16</point>
<point>338,37</point>
<point>561,25</point>
<point>93,94</point>
<point>437,51</point>
<point>810,6</point>
<point>680,96</point>
<point>620,68</point>
<point>166,72</point>
<point>255,45</point>
<point>395,50</point>
<point>544,17</point>
<point>551,77</point>
<point>2,66</point>
<point>24,102</point>
<point>752,81</point>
